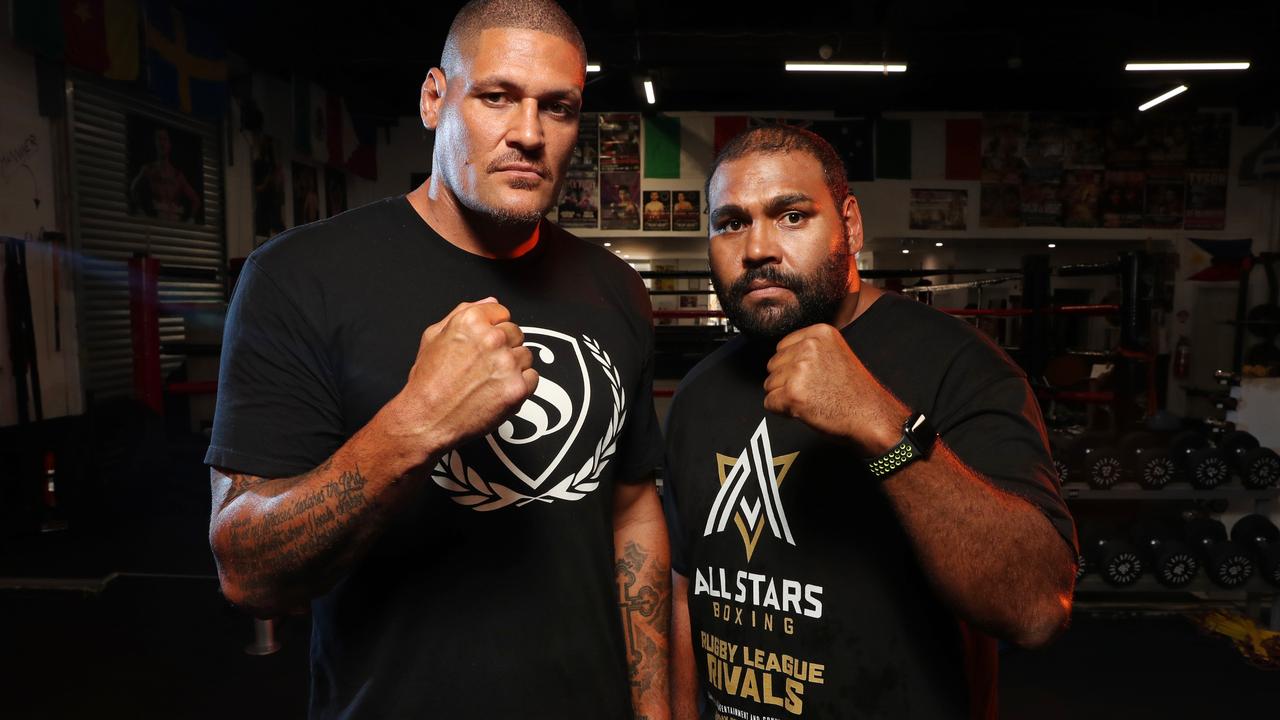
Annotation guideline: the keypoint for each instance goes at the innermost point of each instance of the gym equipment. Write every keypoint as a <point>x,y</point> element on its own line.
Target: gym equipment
<point>1259,534</point>
<point>1099,462</point>
<point>1112,557</point>
<point>1226,563</point>
<point>1060,447</point>
<point>1147,461</point>
<point>1203,465</point>
<point>1170,560</point>
<point>1258,467</point>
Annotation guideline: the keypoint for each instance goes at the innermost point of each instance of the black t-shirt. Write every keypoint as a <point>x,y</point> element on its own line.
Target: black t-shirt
<point>493,595</point>
<point>806,599</point>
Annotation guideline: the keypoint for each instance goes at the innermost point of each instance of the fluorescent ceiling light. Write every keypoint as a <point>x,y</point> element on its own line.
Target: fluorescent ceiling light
<point>1157,100</point>
<point>906,251</point>
<point>1052,245</point>
<point>648,92</point>
<point>937,244</point>
<point>846,67</point>
<point>593,67</point>
<point>608,244</point>
<point>1174,66</point>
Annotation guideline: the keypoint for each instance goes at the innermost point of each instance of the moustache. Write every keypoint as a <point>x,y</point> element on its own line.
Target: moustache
<point>767,273</point>
<point>498,163</point>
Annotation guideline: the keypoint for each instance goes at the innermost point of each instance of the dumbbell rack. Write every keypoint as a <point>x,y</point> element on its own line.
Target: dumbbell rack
<point>1147,594</point>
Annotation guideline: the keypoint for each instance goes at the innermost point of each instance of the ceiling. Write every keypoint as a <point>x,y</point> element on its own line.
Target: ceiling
<point>725,56</point>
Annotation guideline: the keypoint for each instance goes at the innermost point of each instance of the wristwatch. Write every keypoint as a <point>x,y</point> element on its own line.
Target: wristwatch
<point>917,441</point>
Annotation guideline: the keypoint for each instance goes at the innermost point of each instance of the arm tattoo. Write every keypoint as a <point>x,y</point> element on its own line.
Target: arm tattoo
<point>292,535</point>
<point>644,601</point>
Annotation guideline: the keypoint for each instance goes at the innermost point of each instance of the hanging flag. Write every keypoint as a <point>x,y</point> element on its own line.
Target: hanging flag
<point>311,122</point>
<point>893,149</point>
<point>727,127</point>
<point>852,141</point>
<point>339,133</point>
<point>317,108</point>
<point>964,149</point>
<point>102,36</point>
<point>186,62</point>
<point>1227,259</point>
<point>301,117</point>
<point>362,159</point>
<point>662,147</point>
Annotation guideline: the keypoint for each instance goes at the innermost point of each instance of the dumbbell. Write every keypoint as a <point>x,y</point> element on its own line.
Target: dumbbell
<point>1258,467</point>
<point>1060,449</point>
<point>1258,533</point>
<point>1147,460</point>
<point>1168,558</point>
<point>1112,557</point>
<point>1226,563</point>
<point>1099,462</point>
<point>1203,465</point>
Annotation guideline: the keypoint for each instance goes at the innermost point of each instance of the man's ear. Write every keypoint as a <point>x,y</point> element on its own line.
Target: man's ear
<point>433,90</point>
<point>852,223</point>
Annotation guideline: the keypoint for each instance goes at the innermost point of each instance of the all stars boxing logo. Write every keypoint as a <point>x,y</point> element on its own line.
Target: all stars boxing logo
<point>749,492</point>
<point>534,446</point>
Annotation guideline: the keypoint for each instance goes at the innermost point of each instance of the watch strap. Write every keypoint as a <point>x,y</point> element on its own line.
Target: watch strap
<point>917,440</point>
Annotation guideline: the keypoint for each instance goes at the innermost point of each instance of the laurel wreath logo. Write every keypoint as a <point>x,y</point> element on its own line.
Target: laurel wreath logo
<point>466,487</point>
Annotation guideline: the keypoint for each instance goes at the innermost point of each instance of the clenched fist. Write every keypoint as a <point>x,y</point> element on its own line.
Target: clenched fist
<point>472,372</point>
<point>816,378</point>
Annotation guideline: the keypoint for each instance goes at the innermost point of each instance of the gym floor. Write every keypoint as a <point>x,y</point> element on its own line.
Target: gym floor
<point>158,641</point>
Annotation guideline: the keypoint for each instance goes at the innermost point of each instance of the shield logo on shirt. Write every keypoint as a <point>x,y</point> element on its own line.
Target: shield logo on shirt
<point>533,442</point>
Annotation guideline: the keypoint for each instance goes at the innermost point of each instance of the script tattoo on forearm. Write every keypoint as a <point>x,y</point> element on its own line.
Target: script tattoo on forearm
<point>644,599</point>
<point>295,535</point>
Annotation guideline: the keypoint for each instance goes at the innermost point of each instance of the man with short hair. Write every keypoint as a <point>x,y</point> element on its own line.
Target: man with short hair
<point>857,488</point>
<point>435,421</point>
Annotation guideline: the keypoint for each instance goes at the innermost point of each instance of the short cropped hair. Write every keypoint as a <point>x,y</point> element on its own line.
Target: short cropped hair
<point>542,15</point>
<point>782,139</point>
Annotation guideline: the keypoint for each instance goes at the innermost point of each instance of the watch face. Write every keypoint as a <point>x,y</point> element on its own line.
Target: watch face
<point>920,432</point>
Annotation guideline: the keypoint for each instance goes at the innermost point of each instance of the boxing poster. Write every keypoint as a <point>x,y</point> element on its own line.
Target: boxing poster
<point>1081,190</point>
<point>619,142</point>
<point>1125,144</point>
<point>1041,201</point>
<point>1206,201</point>
<point>686,210</point>
<point>335,192</point>
<point>165,171</point>
<point>938,209</point>
<point>1084,144</point>
<point>579,203</point>
<point>1123,201</point>
<point>1164,199</point>
<point>585,159</point>
<point>306,194</point>
<point>1000,205</point>
<point>1003,138</point>
<point>1166,140</point>
<point>1046,143</point>
<point>1210,140</point>
<point>657,210</point>
<point>619,209</point>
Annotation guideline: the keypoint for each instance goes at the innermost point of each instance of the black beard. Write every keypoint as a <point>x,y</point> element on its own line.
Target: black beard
<point>818,297</point>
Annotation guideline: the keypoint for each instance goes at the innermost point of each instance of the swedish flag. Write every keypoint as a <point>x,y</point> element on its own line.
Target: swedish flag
<point>186,62</point>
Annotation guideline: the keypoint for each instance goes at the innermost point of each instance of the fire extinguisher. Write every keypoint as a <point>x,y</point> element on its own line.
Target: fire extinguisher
<point>1182,358</point>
